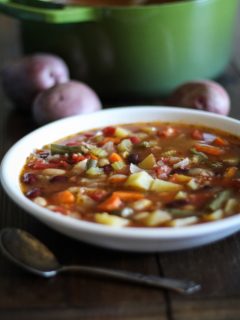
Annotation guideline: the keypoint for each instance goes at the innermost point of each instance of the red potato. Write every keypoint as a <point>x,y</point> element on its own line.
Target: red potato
<point>23,79</point>
<point>65,100</point>
<point>203,95</point>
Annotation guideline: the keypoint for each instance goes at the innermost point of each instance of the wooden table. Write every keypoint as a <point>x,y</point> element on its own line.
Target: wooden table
<point>27,297</point>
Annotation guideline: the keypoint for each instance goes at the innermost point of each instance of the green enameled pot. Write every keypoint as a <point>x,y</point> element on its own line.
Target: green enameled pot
<point>133,51</point>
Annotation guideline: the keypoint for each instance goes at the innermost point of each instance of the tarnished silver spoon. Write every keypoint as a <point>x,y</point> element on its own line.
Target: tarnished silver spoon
<point>30,254</point>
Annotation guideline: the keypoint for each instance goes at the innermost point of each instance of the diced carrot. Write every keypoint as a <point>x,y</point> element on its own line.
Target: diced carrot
<point>230,172</point>
<point>220,141</point>
<point>110,204</point>
<point>114,157</point>
<point>208,149</point>
<point>93,157</point>
<point>63,197</point>
<point>197,134</point>
<point>128,195</point>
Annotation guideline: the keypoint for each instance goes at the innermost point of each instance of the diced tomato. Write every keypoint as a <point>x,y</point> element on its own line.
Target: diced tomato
<point>97,195</point>
<point>109,131</point>
<point>134,139</point>
<point>197,134</point>
<point>76,158</point>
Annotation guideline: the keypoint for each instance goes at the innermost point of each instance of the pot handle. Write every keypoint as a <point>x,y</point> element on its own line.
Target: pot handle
<point>48,11</point>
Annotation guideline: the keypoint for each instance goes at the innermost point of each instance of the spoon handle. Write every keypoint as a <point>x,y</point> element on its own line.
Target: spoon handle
<point>180,286</point>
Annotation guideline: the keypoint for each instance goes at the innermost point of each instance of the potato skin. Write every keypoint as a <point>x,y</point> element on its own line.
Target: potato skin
<point>63,100</point>
<point>204,95</point>
<point>24,78</point>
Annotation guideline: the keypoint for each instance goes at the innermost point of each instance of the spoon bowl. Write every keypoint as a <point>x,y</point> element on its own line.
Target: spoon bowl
<point>26,251</point>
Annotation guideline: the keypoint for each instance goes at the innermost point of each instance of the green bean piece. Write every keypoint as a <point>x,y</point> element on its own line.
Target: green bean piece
<point>62,149</point>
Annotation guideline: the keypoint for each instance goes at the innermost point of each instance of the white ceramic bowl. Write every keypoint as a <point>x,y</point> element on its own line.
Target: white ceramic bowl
<point>131,239</point>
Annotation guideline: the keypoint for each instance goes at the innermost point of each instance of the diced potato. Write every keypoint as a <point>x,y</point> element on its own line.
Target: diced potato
<point>231,206</point>
<point>182,222</point>
<point>110,220</point>
<point>157,217</point>
<point>165,186</point>
<point>148,163</point>
<point>141,204</point>
<point>181,178</point>
<point>216,215</point>
<point>139,180</point>
<point>181,195</point>
<point>121,132</point>
<point>84,200</point>
<point>140,216</point>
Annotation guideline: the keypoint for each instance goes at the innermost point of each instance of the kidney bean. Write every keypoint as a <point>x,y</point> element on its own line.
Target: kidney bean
<point>59,179</point>
<point>29,178</point>
<point>33,193</point>
<point>133,158</point>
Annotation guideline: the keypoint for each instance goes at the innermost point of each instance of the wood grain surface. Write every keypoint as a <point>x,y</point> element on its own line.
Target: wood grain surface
<point>26,297</point>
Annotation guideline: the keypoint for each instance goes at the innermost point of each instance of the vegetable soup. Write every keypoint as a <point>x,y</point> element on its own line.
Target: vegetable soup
<point>138,175</point>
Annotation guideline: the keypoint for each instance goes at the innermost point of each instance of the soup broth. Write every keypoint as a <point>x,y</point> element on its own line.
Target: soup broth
<point>138,175</point>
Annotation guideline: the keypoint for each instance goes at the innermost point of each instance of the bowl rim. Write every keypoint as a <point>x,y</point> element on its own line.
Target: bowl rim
<point>166,233</point>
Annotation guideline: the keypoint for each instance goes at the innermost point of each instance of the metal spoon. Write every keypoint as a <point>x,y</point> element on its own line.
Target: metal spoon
<point>30,254</point>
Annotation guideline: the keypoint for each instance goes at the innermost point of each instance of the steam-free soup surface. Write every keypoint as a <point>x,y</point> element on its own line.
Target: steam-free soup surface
<point>141,175</point>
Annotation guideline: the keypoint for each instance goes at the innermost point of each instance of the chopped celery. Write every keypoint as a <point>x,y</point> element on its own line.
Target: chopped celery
<point>125,145</point>
<point>91,163</point>
<point>94,171</point>
<point>118,165</point>
<point>201,156</point>
<point>99,152</point>
<point>221,198</point>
